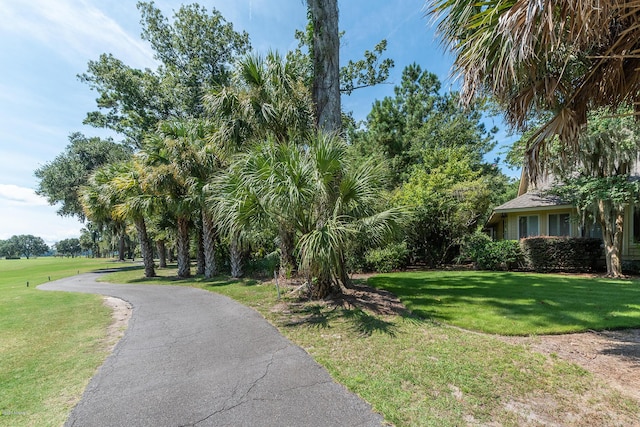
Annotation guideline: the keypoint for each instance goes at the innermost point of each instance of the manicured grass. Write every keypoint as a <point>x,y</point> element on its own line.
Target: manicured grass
<point>245,291</point>
<point>419,373</point>
<point>517,303</point>
<point>50,342</point>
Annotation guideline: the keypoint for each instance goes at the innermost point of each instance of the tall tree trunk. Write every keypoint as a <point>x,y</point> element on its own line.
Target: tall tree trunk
<point>200,253</point>
<point>287,260</point>
<point>121,245</point>
<point>162,253</point>
<point>612,221</point>
<point>326,64</point>
<point>209,240</point>
<point>235,252</point>
<point>145,247</point>
<point>184,260</point>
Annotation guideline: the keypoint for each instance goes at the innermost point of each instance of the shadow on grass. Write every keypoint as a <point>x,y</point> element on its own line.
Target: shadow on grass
<point>309,315</point>
<point>365,324</point>
<point>537,302</point>
<point>119,269</point>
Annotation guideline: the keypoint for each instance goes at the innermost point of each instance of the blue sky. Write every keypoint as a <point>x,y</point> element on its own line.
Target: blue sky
<point>45,44</point>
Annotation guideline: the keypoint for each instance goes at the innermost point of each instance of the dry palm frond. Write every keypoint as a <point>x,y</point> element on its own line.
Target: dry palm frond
<point>566,58</point>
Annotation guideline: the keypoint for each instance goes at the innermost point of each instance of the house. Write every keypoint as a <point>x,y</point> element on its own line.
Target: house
<point>534,213</point>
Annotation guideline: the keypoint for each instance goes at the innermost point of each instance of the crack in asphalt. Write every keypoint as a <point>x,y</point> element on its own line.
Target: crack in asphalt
<point>143,381</point>
<point>243,399</point>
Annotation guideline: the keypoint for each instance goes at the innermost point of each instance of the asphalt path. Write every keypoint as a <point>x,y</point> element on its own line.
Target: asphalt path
<point>195,358</point>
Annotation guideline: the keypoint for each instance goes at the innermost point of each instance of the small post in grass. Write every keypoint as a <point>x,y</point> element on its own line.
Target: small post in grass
<point>27,283</point>
<point>275,277</point>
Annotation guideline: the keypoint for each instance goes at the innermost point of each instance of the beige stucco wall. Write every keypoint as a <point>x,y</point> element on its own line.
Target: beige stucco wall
<point>543,222</point>
<point>630,250</point>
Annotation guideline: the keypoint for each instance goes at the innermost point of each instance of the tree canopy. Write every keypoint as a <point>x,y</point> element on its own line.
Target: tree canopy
<point>194,52</point>
<point>61,178</point>
<point>25,245</point>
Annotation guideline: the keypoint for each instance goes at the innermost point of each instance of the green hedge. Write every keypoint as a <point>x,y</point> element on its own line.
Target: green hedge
<point>499,255</point>
<point>384,260</point>
<point>561,253</point>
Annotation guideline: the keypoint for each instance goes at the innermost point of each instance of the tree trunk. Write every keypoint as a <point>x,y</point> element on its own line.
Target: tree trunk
<point>235,252</point>
<point>611,221</point>
<point>200,253</point>
<point>287,260</point>
<point>145,248</point>
<point>326,64</point>
<point>323,287</point>
<point>209,240</point>
<point>342,271</point>
<point>121,246</point>
<point>184,260</point>
<point>162,253</point>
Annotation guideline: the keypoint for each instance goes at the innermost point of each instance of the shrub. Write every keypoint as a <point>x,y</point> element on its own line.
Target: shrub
<point>263,266</point>
<point>500,255</point>
<point>473,245</point>
<point>561,253</point>
<point>392,257</point>
<point>631,266</point>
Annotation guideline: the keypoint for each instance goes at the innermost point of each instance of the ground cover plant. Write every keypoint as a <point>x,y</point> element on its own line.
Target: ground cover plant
<point>516,303</point>
<point>50,343</point>
<point>418,372</point>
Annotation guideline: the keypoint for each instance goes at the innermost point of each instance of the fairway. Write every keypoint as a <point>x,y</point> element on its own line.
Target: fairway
<point>517,303</point>
<point>50,342</point>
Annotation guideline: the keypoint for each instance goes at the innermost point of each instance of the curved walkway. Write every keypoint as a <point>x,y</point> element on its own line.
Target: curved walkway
<point>195,358</point>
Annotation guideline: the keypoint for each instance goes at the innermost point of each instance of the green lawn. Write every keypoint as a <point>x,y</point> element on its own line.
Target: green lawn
<point>50,342</point>
<point>516,303</point>
<point>419,373</point>
<point>414,371</point>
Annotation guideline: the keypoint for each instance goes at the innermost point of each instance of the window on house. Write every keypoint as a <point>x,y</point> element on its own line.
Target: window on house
<point>559,225</point>
<point>636,225</point>
<point>594,230</point>
<point>528,226</point>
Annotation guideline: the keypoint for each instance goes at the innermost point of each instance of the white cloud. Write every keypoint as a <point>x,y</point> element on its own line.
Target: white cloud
<point>33,216</point>
<point>74,28</point>
<point>40,221</point>
<point>16,195</point>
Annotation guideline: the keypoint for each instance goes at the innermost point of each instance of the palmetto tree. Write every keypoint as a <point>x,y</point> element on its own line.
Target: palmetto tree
<point>98,207</point>
<point>237,210</point>
<point>565,57</point>
<point>267,97</point>
<point>345,203</point>
<point>134,202</point>
<point>267,100</point>
<point>317,198</point>
<point>167,162</point>
<point>115,191</point>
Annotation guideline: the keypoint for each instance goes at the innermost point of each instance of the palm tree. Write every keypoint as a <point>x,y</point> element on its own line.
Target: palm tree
<point>98,208</point>
<point>280,177</point>
<point>317,198</point>
<point>165,163</point>
<point>115,190</point>
<point>135,203</point>
<point>565,57</point>
<point>267,97</point>
<point>345,204</point>
<point>237,209</point>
